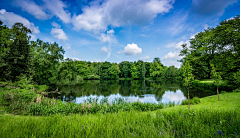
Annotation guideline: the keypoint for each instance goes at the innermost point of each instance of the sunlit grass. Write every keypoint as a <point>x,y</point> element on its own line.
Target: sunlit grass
<point>207,118</point>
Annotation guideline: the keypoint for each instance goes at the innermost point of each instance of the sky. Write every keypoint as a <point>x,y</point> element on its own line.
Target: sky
<point>118,30</point>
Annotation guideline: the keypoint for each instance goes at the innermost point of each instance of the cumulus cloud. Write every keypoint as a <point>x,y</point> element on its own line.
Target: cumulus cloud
<point>32,8</point>
<point>132,49</point>
<point>59,34</point>
<point>104,49</point>
<point>45,11</point>
<point>9,19</point>
<point>97,16</point>
<point>171,55</point>
<point>210,7</point>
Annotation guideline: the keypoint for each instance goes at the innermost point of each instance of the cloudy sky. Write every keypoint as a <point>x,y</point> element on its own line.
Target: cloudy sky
<point>118,30</point>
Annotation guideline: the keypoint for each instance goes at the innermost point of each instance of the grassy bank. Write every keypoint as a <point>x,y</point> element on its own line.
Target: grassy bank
<point>209,118</point>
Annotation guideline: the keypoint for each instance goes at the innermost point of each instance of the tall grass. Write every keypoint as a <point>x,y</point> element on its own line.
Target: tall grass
<point>28,102</point>
<point>175,123</point>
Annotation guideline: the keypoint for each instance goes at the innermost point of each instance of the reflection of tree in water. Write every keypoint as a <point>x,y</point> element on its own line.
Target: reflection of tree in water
<point>125,88</point>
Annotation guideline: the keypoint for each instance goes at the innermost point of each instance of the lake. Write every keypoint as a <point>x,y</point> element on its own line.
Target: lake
<point>147,91</point>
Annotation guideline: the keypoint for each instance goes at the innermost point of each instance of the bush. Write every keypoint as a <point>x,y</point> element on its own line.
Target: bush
<point>193,101</point>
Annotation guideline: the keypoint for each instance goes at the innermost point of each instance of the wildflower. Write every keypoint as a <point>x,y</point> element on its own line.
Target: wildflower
<point>235,133</point>
<point>214,133</point>
<point>220,133</point>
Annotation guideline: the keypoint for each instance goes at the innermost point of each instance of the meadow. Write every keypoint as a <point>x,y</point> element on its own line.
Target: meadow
<point>207,118</point>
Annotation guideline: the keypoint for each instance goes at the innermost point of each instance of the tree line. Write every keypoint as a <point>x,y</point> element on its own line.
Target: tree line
<point>44,62</point>
<point>212,49</point>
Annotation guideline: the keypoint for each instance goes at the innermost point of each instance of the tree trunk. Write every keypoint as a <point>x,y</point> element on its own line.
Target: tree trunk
<point>218,94</point>
<point>188,101</point>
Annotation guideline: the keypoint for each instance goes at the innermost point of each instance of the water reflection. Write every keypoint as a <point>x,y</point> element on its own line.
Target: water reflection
<point>131,91</point>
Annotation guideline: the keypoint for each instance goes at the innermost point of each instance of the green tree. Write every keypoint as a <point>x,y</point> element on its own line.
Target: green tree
<point>156,68</point>
<point>134,71</point>
<point>18,58</point>
<point>188,77</point>
<point>216,78</point>
<point>46,57</point>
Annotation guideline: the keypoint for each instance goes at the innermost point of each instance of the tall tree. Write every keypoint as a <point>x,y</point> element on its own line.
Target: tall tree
<point>19,54</point>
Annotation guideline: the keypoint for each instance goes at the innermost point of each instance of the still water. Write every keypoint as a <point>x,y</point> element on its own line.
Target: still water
<point>146,91</point>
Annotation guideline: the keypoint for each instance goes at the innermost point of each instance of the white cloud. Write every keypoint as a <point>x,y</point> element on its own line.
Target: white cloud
<point>147,57</point>
<point>9,19</point>
<point>110,31</point>
<point>109,37</point>
<point>59,34</point>
<point>54,24</point>
<point>171,55</point>
<point>132,49</point>
<point>56,7</point>
<point>96,16</point>
<point>32,8</point>
<point>45,11</point>
<point>104,49</point>
<point>193,36</point>
<point>76,59</point>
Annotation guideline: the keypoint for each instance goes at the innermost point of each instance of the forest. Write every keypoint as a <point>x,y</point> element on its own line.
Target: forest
<point>43,62</point>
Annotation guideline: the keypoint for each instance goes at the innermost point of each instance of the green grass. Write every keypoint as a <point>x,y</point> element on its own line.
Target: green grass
<point>169,122</point>
<point>206,81</point>
<point>207,118</point>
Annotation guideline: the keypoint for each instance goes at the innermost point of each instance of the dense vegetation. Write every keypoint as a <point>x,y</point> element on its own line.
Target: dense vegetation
<point>216,49</point>
<point>210,118</point>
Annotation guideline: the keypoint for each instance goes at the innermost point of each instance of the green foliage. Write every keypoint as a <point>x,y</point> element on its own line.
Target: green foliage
<point>156,68</point>
<point>215,76</point>
<point>187,74</point>
<point>219,46</point>
<point>193,101</point>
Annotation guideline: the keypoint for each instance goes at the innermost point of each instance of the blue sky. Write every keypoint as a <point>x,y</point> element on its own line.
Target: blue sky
<point>118,30</point>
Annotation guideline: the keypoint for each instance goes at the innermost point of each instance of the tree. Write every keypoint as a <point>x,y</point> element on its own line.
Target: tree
<point>156,68</point>
<point>46,57</point>
<point>216,78</point>
<point>134,71</point>
<point>188,77</point>
<point>143,70</point>
<point>18,54</point>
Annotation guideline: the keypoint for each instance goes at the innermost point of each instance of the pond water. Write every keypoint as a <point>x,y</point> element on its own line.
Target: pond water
<point>146,91</point>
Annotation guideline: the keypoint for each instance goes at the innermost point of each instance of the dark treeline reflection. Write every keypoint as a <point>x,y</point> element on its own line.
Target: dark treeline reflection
<point>125,88</point>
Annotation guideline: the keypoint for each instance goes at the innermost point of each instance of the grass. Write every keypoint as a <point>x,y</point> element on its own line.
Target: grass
<point>207,118</point>
<point>204,120</point>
